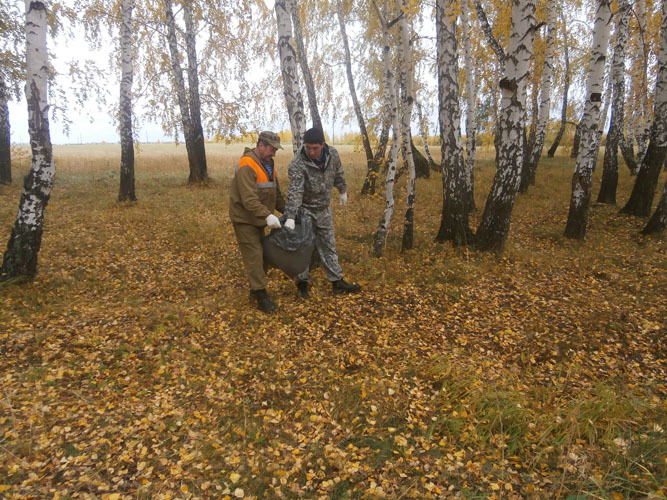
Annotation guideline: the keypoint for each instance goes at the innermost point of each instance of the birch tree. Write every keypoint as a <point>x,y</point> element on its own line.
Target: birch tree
<point>566,90</point>
<point>640,47</point>
<point>5,136</point>
<point>610,166</point>
<point>605,109</point>
<point>391,107</point>
<point>454,224</point>
<point>643,191</point>
<point>192,130</point>
<point>407,101</point>
<point>379,158</point>
<point>501,57</point>
<point>658,220</point>
<point>423,129</point>
<point>20,258</point>
<point>581,180</point>
<point>488,33</point>
<point>628,151</point>
<point>495,224</point>
<point>228,38</point>
<point>177,76</point>
<point>576,140</point>
<point>96,17</point>
<point>606,100</point>
<point>126,190</point>
<point>303,63</point>
<point>199,172</point>
<point>529,169</point>
<point>471,107</point>
<point>372,166</point>
<point>291,87</point>
<point>12,71</point>
<point>637,50</point>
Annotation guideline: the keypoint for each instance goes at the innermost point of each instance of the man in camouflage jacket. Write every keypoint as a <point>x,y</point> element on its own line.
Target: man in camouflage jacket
<point>313,172</point>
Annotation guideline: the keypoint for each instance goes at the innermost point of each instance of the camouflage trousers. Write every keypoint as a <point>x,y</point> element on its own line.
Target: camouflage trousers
<point>325,244</point>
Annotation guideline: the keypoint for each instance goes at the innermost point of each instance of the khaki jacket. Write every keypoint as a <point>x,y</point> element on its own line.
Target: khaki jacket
<point>253,195</point>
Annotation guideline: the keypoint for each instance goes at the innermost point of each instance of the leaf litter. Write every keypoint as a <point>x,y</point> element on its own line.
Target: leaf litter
<point>135,365</point>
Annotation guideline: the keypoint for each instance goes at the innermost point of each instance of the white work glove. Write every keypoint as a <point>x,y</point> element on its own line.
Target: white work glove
<point>272,221</point>
<point>289,224</point>
<point>343,198</point>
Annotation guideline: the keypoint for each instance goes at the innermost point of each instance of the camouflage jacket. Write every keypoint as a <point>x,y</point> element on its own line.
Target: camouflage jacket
<point>309,185</point>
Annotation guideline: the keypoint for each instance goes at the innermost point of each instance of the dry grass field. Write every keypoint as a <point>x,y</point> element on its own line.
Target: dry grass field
<point>135,365</point>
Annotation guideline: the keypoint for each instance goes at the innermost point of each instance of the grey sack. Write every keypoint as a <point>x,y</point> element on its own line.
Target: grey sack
<point>288,250</point>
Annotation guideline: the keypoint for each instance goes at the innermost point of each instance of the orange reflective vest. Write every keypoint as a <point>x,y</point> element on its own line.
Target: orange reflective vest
<point>263,180</point>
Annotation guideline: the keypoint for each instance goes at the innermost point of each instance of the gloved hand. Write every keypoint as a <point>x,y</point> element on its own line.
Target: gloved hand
<point>272,221</point>
<point>343,198</point>
<point>289,224</point>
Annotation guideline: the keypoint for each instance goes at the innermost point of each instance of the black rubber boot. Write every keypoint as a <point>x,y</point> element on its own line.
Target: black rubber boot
<point>302,289</point>
<point>264,302</point>
<point>342,286</point>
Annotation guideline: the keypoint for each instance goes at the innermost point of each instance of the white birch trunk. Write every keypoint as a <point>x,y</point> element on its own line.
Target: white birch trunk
<point>495,224</point>
<point>291,88</point>
<point>501,57</point>
<point>628,132</point>
<point>488,32</point>
<point>545,98</point>
<point>179,84</point>
<point>606,104</point>
<point>198,170</point>
<point>407,101</point>
<point>20,259</point>
<point>126,190</point>
<point>471,108</point>
<point>610,165</point>
<point>586,159</point>
<point>643,191</point>
<point>606,101</point>
<point>641,127</point>
<point>496,97</point>
<point>566,89</point>
<point>380,239</point>
<point>626,144</point>
<point>371,165</point>
<point>454,219</point>
<point>423,129</point>
<point>177,70</point>
<point>391,108</point>
<point>305,69</point>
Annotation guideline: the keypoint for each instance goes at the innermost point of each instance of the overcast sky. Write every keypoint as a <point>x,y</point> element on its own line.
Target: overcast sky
<point>90,124</point>
<point>96,128</point>
<point>93,125</point>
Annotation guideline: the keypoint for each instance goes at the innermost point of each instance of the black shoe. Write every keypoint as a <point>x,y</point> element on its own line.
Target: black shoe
<point>342,286</point>
<point>264,302</point>
<point>302,289</point>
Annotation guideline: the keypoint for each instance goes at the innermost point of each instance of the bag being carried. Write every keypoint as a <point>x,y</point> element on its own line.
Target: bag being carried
<point>288,250</point>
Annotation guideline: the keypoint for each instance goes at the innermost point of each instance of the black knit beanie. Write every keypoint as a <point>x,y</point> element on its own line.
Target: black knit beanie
<point>314,136</point>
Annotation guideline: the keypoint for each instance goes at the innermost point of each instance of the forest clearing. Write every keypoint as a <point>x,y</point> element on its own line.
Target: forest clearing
<point>134,365</point>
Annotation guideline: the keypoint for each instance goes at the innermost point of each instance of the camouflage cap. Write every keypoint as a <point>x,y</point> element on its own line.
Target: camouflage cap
<point>270,138</point>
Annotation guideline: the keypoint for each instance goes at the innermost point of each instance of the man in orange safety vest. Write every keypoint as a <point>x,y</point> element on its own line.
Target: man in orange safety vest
<point>254,195</point>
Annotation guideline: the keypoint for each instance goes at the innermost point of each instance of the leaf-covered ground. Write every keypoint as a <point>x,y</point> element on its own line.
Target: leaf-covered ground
<point>135,365</point>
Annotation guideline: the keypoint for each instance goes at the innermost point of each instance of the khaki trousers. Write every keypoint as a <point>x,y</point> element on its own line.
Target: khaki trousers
<point>249,238</point>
